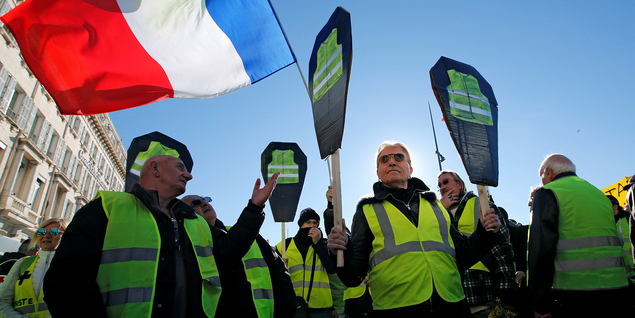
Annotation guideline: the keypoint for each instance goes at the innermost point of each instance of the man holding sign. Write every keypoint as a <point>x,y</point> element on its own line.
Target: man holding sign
<point>403,240</point>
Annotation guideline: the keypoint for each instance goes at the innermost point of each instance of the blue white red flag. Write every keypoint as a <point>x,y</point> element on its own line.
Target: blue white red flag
<point>96,56</point>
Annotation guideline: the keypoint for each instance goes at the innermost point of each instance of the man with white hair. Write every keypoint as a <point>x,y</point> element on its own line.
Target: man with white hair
<point>575,263</point>
<point>403,240</point>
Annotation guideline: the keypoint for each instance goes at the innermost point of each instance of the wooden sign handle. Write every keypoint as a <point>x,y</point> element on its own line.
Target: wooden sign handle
<point>484,200</point>
<point>284,243</point>
<point>337,200</point>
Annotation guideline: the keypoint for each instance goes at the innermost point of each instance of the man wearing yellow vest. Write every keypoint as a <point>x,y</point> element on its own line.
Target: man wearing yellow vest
<point>493,276</point>
<point>143,253</point>
<point>622,224</point>
<point>256,285</point>
<point>575,261</point>
<point>405,237</point>
<point>310,264</point>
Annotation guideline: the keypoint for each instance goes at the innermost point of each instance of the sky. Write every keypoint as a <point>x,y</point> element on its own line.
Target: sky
<point>562,73</point>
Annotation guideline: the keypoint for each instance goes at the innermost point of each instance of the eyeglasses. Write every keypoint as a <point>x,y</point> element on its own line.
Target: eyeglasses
<point>444,182</point>
<point>198,202</point>
<point>53,232</point>
<point>399,157</point>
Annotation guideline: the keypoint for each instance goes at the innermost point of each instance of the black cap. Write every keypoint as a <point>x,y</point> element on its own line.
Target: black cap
<point>630,183</point>
<point>308,214</point>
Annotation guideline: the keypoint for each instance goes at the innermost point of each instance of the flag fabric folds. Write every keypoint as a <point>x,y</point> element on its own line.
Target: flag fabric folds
<point>288,159</point>
<point>470,111</point>
<point>96,56</point>
<point>329,73</point>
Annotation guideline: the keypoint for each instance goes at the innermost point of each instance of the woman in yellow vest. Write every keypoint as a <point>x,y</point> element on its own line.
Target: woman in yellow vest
<point>21,293</point>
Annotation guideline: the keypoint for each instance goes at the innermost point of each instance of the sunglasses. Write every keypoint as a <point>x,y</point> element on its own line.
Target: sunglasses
<point>53,232</point>
<point>198,202</point>
<point>444,182</point>
<point>399,157</point>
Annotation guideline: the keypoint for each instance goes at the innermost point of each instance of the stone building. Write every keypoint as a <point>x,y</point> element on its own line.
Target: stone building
<point>50,164</point>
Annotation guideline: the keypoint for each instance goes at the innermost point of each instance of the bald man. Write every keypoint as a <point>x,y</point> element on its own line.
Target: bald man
<point>140,254</point>
<point>575,263</point>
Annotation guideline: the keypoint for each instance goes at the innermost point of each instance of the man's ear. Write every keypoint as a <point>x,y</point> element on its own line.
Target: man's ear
<point>155,169</point>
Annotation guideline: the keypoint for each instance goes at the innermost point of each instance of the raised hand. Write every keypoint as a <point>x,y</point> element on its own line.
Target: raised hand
<point>260,196</point>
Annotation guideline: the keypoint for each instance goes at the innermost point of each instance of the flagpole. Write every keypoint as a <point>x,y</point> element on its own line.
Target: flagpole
<point>291,48</point>
<point>435,138</point>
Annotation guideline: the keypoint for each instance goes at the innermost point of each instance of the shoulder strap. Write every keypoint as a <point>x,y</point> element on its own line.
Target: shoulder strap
<point>9,260</point>
<point>27,263</point>
<point>308,296</point>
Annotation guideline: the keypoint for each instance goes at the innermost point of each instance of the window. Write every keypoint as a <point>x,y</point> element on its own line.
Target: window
<point>69,211</point>
<point>21,109</point>
<point>44,136</point>
<point>72,165</point>
<point>5,7</point>
<point>79,175</point>
<point>7,87</point>
<point>52,148</point>
<point>22,180</point>
<point>60,153</point>
<point>37,191</point>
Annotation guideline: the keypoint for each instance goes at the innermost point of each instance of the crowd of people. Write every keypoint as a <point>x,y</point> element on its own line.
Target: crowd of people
<point>411,252</point>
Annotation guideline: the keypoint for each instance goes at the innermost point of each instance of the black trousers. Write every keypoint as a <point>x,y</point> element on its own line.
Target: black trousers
<point>607,303</point>
<point>435,307</point>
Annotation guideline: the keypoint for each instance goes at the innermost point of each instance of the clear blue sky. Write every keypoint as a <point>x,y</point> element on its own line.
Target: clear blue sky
<point>563,74</point>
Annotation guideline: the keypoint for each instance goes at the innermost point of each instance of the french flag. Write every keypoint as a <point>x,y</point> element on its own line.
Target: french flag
<point>97,56</point>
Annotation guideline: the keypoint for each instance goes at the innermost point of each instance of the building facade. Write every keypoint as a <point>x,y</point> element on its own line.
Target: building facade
<point>50,164</point>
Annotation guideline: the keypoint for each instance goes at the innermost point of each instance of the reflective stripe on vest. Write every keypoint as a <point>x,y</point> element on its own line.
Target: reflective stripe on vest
<point>257,273</point>
<point>329,66</point>
<point>24,300</point>
<point>300,272</point>
<point>467,102</point>
<point>283,161</point>
<point>131,251</point>
<point>426,251</point>
<point>337,291</point>
<point>589,252</point>
<point>469,221</point>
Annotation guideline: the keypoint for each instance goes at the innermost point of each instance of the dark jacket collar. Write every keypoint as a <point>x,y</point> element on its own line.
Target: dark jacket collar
<point>414,184</point>
<point>150,198</point>
<point>381,192</point>
<point>564,174</point>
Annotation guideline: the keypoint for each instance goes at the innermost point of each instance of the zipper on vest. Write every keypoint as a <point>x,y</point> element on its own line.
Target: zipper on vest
<point>46,267</point>
<point>176,231</point>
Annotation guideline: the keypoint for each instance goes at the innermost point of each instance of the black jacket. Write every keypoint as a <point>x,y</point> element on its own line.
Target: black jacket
<point>70,288</point>
<point>236,297</point>
<point>469,250</point>
<point>361,306</point>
